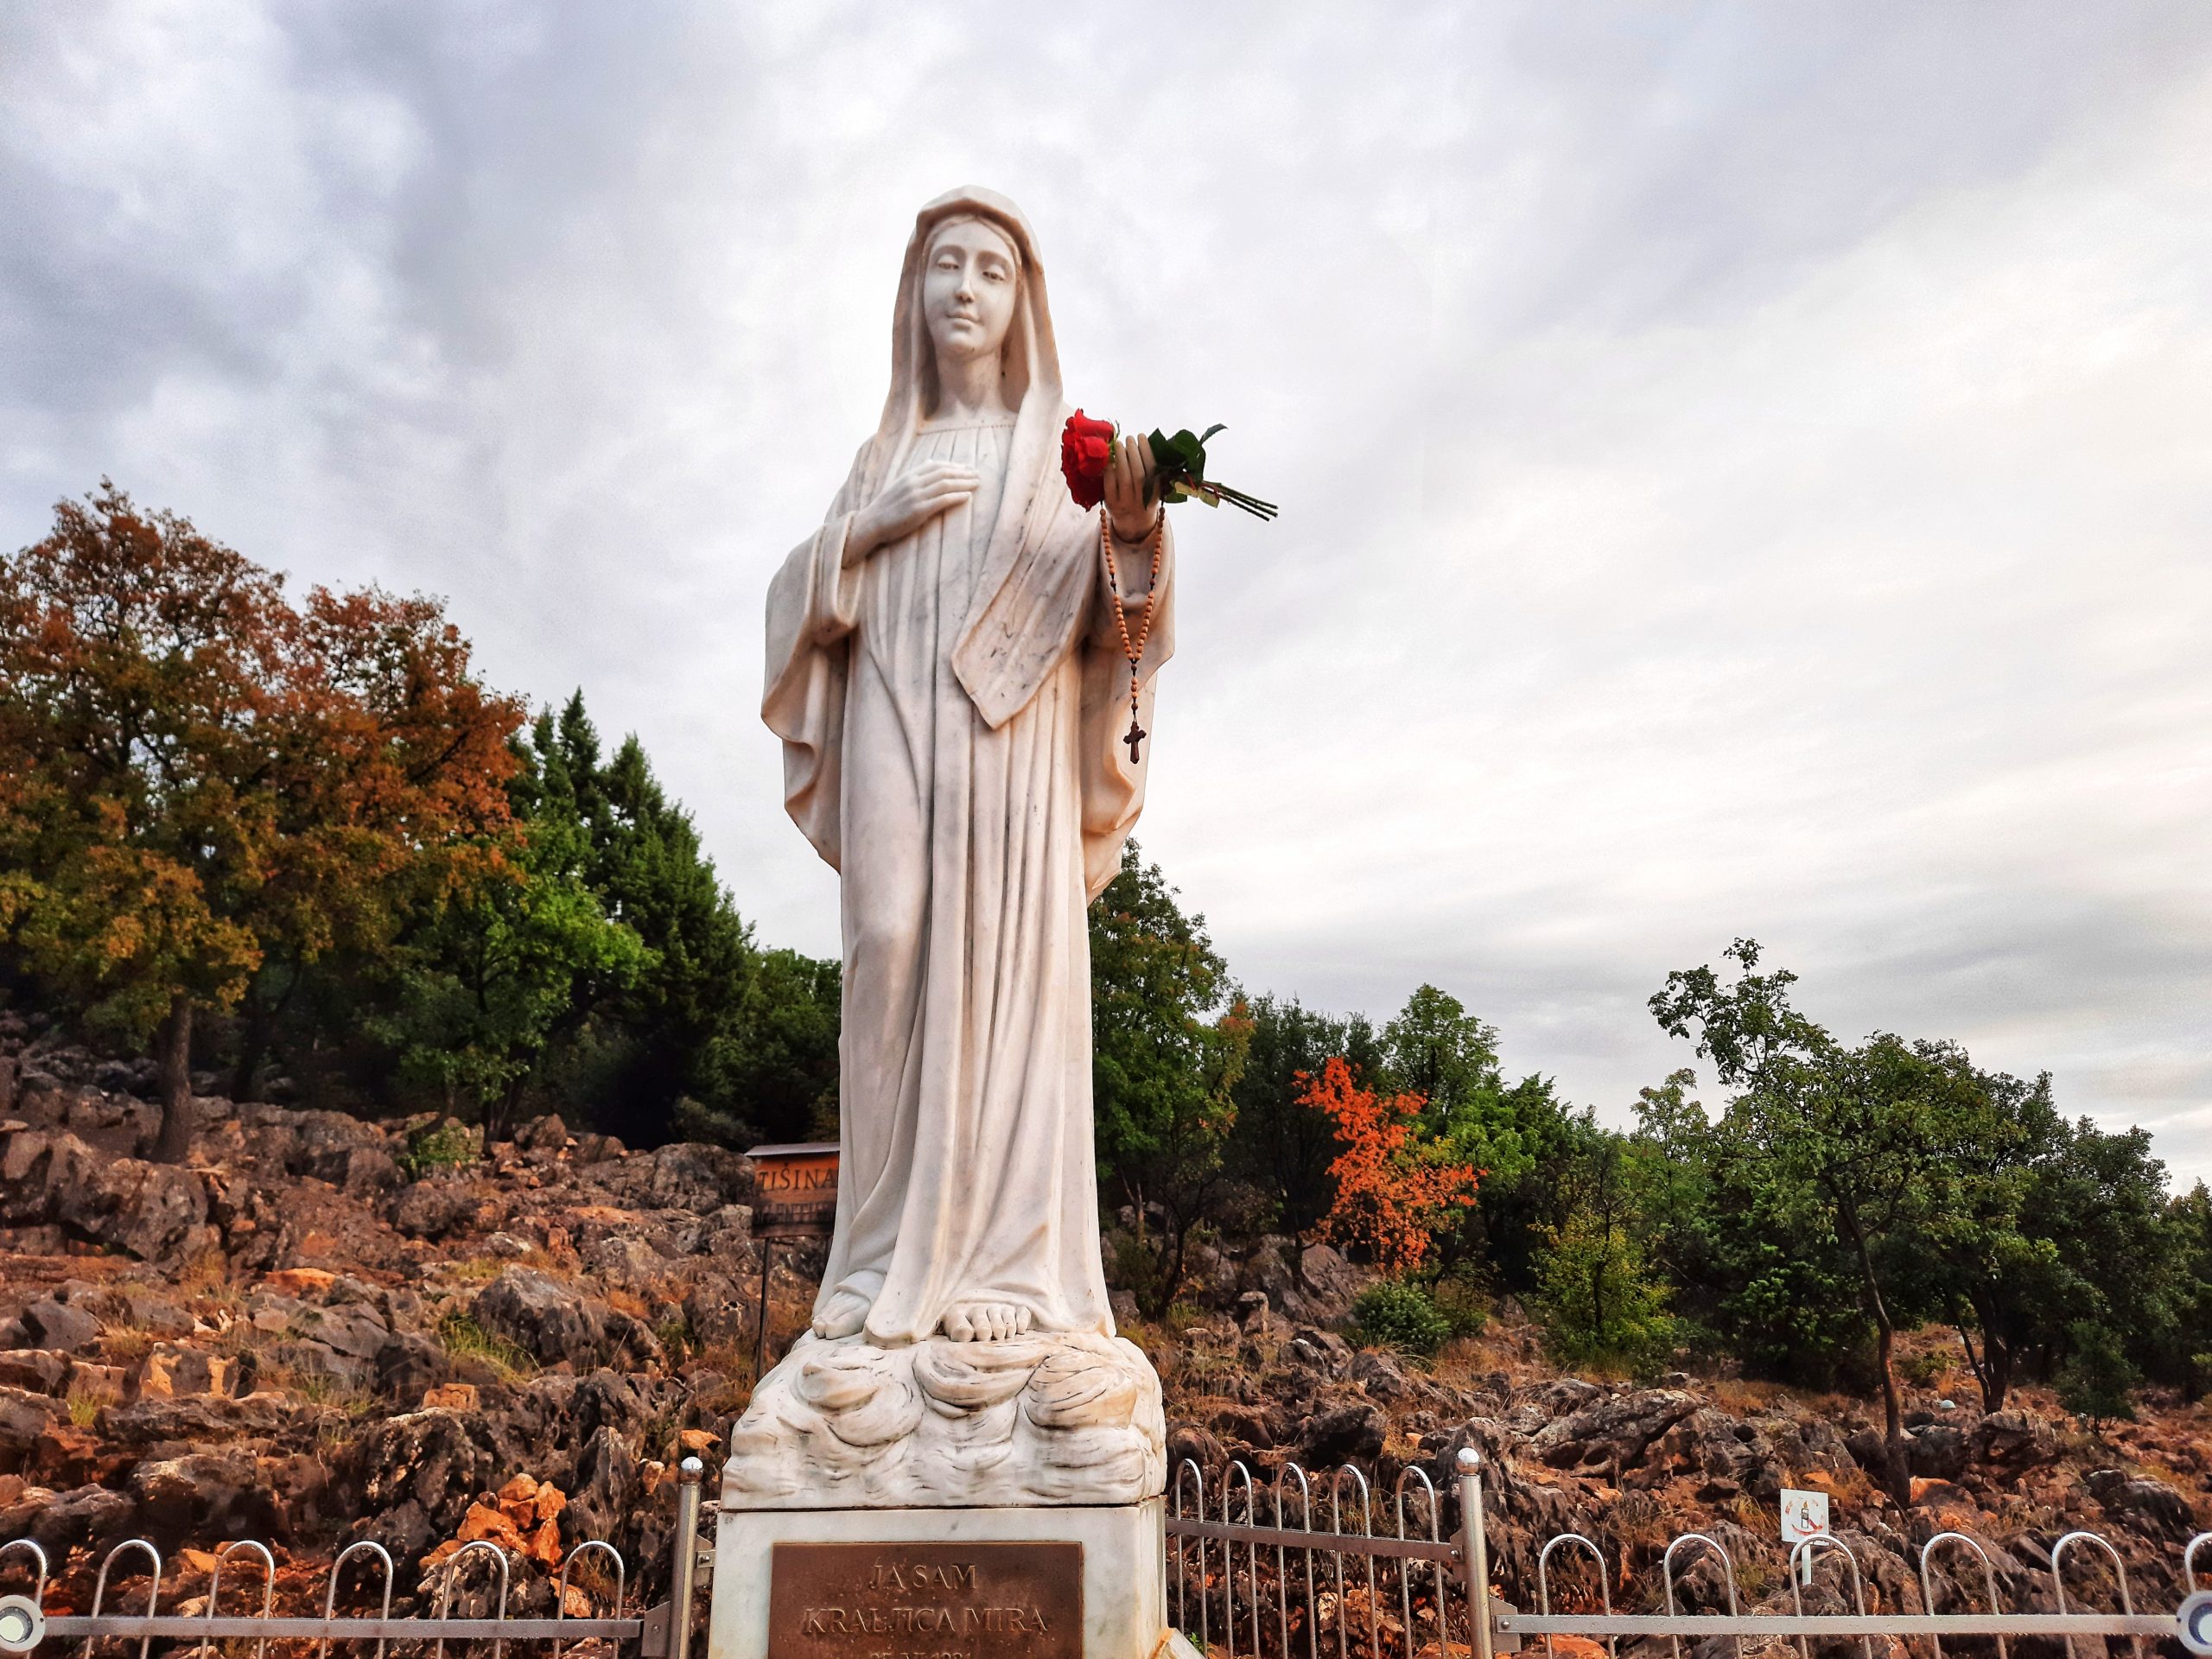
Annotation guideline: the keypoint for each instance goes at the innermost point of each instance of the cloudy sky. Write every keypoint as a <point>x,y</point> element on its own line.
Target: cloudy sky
<point>1744,469</point>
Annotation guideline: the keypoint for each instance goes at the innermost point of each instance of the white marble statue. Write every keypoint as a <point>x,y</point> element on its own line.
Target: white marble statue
<point>945,671</point>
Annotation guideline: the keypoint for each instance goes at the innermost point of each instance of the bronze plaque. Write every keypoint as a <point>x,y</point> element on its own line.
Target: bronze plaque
<point>925,1600</point>
<point>794,1191</point>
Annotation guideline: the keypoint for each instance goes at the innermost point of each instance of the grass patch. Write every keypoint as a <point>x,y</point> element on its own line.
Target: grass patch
<point>480,1270</point>
<point>675,1335</point>
<point>125,1345</point>
<point>465,1339</point>
<point>83,1409</point>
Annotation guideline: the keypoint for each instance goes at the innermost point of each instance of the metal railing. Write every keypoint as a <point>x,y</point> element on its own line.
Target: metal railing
<point>1256,1568</point>
<point>660,1632</point>
<point>1297,1568</point>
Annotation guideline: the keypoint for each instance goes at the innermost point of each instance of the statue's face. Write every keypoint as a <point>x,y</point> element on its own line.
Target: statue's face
<point>968,289</point>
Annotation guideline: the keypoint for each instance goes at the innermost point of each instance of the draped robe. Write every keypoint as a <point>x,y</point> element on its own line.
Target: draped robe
<point>952,708</point>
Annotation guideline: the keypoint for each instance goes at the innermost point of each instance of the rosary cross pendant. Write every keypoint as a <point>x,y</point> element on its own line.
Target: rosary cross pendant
<point>1136,736</point>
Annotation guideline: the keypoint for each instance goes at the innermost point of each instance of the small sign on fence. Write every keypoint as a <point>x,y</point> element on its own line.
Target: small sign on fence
<point>1804,1514</point>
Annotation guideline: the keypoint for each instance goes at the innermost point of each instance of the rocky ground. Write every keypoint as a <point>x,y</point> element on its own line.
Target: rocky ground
<point>325,1330</point>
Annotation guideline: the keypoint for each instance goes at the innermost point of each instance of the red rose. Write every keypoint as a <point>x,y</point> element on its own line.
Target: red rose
<point>1086,448</point>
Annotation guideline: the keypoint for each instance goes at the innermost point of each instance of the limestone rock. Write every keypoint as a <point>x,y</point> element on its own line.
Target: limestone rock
<point>169,1371</point>
<point>37,1370</point>
<point>60,1326</point>
<point>1616,1431</point>
<point>1938,1451</point>
<point>1327,1286</point>
<point>153,1211</point>
<point>59,1522</point>
<point>1380,1375</point>
<point>409,1364</point>
<point>204,1495</point>
<point>550,1320</point>
<point>553,1322</point>
<point>2152,1504</point>
<point>430,1209</point>
<point>683,1176</point>
<point>546,1133</point>
<point>1347,1435</point>
<point>2013,1440</point>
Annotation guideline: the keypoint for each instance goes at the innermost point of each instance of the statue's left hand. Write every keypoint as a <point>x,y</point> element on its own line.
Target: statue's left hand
<point>1131,501</point>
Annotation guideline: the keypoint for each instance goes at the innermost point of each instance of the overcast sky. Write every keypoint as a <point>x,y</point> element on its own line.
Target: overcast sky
<point>1744,469</point>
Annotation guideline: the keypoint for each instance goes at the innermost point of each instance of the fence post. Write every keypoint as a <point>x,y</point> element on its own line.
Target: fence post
<point>1474,1546</point>
<point>683,1579</point>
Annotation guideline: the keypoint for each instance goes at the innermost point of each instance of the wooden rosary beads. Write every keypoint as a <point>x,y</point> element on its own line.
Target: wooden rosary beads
<point>1133,652</point>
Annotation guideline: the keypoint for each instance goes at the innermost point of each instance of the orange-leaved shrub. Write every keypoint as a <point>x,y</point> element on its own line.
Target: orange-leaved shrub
<point>1394,1189</point>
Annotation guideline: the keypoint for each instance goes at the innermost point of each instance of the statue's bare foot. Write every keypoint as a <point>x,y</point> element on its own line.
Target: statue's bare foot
<point>985,1321</point>
<point>845,1312</point>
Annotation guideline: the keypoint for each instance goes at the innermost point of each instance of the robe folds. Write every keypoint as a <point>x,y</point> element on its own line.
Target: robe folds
<point>952,708</point>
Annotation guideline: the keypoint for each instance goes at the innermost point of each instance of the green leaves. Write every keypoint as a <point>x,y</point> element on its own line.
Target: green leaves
<point>1166,1055</point>
<point>1181,461</point>
<point>1184,455</point>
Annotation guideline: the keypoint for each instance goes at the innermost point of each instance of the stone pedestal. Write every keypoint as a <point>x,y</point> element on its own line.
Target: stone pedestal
<point>978,1582</point>
<point>945,1500</point>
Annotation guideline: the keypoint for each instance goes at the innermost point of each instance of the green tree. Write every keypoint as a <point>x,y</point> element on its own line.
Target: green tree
<point>773,1065</point>
<point>1525,1140</point>
<point>2049,1226</point>
<point>1169,1039</point>
<point>2097,1378</point>
<point>1599,1296</point>
<point>491,976</point>
<point>641,1044</point>
<point>2184,1358</point>
<point>1841,1146</point>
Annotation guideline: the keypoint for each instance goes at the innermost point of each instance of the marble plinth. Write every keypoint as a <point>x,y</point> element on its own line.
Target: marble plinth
<point>1055,1419</point>
<point>1123,1611</point>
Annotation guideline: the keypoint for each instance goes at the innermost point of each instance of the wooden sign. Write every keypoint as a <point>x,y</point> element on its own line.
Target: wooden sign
<point>856,1601</point>
<point>794,1191</point>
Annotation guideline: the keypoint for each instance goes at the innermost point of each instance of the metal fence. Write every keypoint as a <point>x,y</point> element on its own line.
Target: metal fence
<point>659,1632</point>
<point>1297,1567</point>
<point>1291,1566</point>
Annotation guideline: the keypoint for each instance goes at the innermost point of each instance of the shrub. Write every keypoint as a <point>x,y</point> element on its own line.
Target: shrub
<point>446,1145</point>
<point>1397,1313</point>
<point>1600,1300</point>
<point>2095,1381</point>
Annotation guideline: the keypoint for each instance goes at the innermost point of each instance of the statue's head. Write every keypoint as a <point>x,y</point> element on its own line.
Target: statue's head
<point>970,277</point>
<point>971,288</point>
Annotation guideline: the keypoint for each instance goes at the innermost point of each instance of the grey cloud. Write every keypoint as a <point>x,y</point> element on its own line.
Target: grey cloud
<point>1742,467</point>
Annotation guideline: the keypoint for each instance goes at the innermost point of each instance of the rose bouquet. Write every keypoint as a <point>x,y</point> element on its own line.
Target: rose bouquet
<point>1087,446</point>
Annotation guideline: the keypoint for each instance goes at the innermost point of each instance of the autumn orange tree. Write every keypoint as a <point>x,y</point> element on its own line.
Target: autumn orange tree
<point>200,779</point>
<point>1395,1188</point>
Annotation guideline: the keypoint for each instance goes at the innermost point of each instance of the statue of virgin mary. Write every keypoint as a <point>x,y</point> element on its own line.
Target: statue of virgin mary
<point>946,673</point>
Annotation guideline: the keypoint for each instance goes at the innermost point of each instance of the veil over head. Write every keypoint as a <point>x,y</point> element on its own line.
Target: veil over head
<point>1002,655</point>
<point>1032,588</point>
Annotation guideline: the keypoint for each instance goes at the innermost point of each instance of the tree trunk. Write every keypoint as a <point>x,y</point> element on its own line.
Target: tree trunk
<point>173,1054</point>
<point>1997,1360</point>
<point>1900,1482</point>
<point>1900,1478</point>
